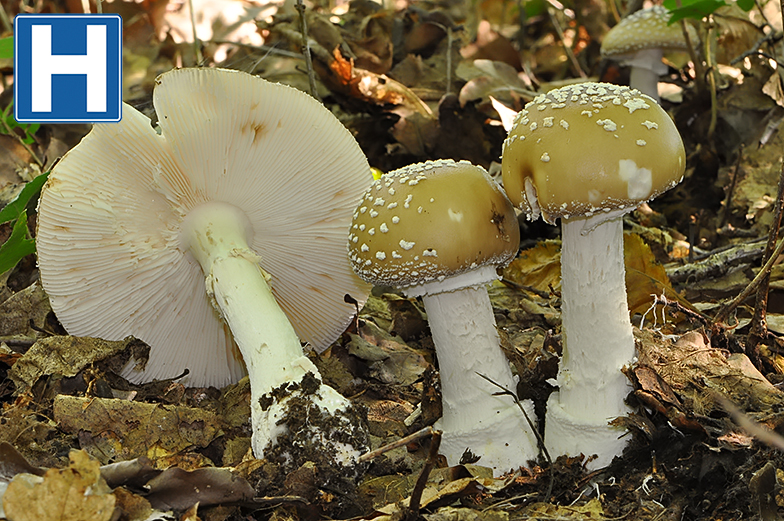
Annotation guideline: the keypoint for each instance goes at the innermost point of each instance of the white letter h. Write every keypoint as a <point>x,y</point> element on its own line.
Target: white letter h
<point>45,64</point>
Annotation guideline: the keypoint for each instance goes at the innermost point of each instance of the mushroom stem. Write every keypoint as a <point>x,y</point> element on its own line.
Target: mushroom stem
<point>217,234</point>
<point>647,67</point>
<point>598,341</point>
<point>467,344</point>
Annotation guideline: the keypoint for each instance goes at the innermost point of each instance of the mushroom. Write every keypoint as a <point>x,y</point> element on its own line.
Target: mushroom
<point>639,41</point>
<point>590,153</point>
<point>438,230</point>
<point>248,189</point>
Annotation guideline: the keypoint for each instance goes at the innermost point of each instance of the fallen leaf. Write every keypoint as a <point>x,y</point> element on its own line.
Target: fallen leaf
<point>75,493</point>
<point>120,429</point>
<point>63,355</point>
<point>538,267</point>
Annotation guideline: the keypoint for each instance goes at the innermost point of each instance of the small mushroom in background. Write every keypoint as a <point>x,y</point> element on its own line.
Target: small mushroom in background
<point>439,230</point>
<point>640,40</point>
<point>588,154</point>
<point>248,189</point>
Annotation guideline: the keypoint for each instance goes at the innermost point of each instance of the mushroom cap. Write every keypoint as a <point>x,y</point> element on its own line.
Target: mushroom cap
<point>109,251</point>
<point>428,221</point>
<point>589,148</point>
<point>645,29</point>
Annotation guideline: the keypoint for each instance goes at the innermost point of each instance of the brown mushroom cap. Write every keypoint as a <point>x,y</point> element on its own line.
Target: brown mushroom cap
<point>645,29</point>
<point>429,221</point>
<point>589,148</point>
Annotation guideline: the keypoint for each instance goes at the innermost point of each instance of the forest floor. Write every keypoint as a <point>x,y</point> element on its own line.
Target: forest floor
<point>414,81</point>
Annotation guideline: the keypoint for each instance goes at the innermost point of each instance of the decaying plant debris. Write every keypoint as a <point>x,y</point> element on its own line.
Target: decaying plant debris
<point>415,81</point>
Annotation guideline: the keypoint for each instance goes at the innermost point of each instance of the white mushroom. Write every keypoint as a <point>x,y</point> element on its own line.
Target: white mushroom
<point>454,227</point>
<point>593,178</point>
<point>639,41</point>
<point>249,188</point>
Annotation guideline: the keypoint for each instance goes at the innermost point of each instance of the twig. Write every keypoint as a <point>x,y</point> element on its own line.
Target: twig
<point>717,262</point>
<point>699,70</point>
<point>7,130</point>
<point>419,486</point>
<point>449,42</point>
<point>539,440</point>
<point>196,47</point>
<point>771,38</point>
<point>757,430</point>
<point>418,435</point>
<point>268,49</point>
<point>711,72</point>
<point>727,308</point>
<point>731,189</point>
<point>695,58</point>
<point>303,28</point>
<point>759,326</point>
<point>522,287</point>
<point>7,27</point>
<point>567,49</point>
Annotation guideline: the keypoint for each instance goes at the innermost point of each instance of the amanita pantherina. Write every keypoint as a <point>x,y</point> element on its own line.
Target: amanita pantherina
<point>639,41</point>
<point>250,184</point>
<point>590,153</point>
<point>439,230</point>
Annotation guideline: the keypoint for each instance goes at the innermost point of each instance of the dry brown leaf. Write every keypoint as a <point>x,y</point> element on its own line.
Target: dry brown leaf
<point>119,429</point>
<point>63,355</point>
<point>72,494</point>
<point>591,510</point>
<point>538,267</point>
<point>645,278</point>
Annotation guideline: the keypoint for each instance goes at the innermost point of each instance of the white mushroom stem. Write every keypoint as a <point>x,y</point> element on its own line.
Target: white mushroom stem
<point>217,234</point>
<point>464,333</point>
<point>597,343</point>
<point>647,67</point>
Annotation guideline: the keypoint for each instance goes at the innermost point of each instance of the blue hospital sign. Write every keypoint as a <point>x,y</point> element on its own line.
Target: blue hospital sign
<point>68,68</point>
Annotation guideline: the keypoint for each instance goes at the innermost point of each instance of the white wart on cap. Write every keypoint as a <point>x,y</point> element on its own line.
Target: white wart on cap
<point>429,221</point>
<point>590,148</point>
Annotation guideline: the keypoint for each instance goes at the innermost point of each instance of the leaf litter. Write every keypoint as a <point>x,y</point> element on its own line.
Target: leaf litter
<point>415,82</point>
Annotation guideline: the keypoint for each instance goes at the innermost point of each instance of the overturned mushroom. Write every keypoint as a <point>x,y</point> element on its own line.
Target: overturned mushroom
<point>249,188</point>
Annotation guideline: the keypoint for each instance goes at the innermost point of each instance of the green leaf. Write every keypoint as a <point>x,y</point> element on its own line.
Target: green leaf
<point>18,245</point>
<point>16,208</point>
<point>746,5</point>
<point>7,47</point>
<point>696,9</point>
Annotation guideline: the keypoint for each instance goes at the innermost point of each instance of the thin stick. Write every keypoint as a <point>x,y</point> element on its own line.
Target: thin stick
<point>731,189</point>
<point>418,435</point>
<point>759,326</point>
<point>727,308</point>
<point>196,47</point>
<point>5,20</point>
<point>303,28</point>
<point>711,71</point>
<point>567,49</point>
<point>419,486</point>
<point>449,42</point>
<point>16,136</point>
<point>539,440</point>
